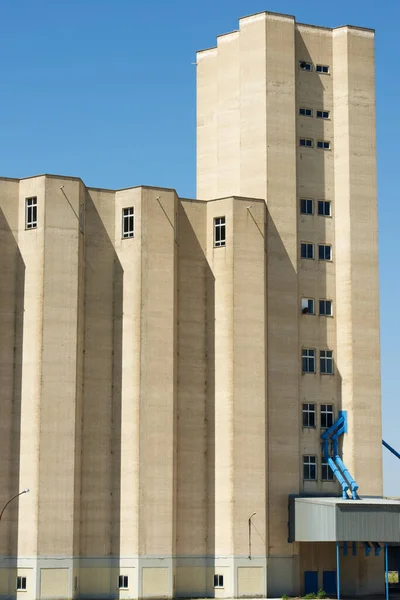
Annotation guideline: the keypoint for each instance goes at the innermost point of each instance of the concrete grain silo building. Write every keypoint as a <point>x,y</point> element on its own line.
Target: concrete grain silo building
<point>191,388</point>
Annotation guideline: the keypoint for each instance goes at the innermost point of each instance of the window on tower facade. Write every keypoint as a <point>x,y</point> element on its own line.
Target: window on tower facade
<point>308,360</point>
<point>308,415</point>
<point>31,213</point>
<point>219,232</point>
<point>128,222</point>
<point>326,416</point>
<point>306,206</point>
<point>309,468</point>
<point>308,306</point>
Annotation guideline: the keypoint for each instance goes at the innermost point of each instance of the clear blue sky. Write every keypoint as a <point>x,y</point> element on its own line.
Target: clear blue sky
<point>105,90</point>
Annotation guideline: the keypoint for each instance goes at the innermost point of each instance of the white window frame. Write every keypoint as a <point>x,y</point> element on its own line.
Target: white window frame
<point>219,232</point>
<point>324,312</point>
<point>307,201</point>
<point>325,246</point>
<point>308,143</point>
<point>324,69</point>
<point>328,472</point>
<point>31,207</point>
<point>308,67</point>
<point>322,114</point>
<point>323,145</point>
<point>21,584</point>
<point>309,414</point>
<point>123,582</point>
<point>218,581</point>
<point>329,413</point>
<point>307,244</point>
<point>307,306</point>
<point>128,214</point>
<point>308,359</point>
<point>324,203</point>
<point>305,110</point>
<point>326,359</point>
<point>310,463</point>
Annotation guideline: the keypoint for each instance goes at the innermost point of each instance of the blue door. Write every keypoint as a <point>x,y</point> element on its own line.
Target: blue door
<point>329,582</point>
<point>310,582</point>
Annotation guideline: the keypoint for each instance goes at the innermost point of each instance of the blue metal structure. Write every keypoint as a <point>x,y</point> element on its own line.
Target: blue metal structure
<point>392,450</point>
<point>339,469</point>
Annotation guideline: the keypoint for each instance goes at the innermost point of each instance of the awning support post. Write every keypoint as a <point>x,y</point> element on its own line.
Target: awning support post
<point>338,569</point>
<point>387,571</point>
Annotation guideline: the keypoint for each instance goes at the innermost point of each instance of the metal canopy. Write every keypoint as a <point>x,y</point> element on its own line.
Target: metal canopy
<point>330,519</point>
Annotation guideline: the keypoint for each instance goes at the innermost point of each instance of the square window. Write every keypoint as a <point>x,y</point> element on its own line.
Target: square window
<point>128,222</point>
<point>306,143</point>
<point>326,472</point>
<point>21,583</point>
<point>218,581</point>
<point>325,308</point>
<point>308,306</point>
<point>322,114</point>
<point>324,208</point>
<point>123,582</point>
<point>305,112</point>
<point>322,69</point>
<point>326,362</point>
<point>324,252</point>
<point>31,213</point>
<point>326,416</point>
<point>306,206</point>
<point>307,250</point>
<point>305,66</point>
<point>308,360</point>
<point>219,232</point>
<point>309,468</point>
<point>323,145</point>
<point>308,415</point>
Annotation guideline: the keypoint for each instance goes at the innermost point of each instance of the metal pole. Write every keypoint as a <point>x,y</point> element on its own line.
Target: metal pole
<point>250,518</point>
<point>387,571</point>
<point>338,569</point>
<point>11,499</point>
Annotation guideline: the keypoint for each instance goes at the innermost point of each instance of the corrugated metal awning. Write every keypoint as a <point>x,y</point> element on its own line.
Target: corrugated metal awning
<point>330,519</point>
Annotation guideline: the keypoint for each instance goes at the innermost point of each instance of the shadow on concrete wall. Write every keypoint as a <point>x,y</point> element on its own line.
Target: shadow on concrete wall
<point>101,414</point>
<point>12,270</point>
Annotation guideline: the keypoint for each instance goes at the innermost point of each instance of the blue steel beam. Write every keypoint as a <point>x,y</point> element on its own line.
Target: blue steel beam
<point>392,450</point>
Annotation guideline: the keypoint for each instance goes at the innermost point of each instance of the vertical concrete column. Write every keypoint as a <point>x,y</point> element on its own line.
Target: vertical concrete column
<point>11,325</point>
<point>31,245</point>
<point>282,250</point>
<point>220,260</point>
<point>157,527</point>
<point>357,295</point>
<point>60,386</point>
<point>193,425</point>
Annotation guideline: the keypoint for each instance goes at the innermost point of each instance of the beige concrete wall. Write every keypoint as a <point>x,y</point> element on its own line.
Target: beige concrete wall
<point>250,582</point>
<point>155,582</point>
<point>54,583</point>
<point>357,254</point>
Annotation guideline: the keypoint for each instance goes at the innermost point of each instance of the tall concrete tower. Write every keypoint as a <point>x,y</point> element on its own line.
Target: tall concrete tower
<point>286,113</point>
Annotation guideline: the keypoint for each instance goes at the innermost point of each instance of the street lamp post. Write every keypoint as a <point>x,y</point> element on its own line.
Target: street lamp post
<point>11,499</point>
<point>250,518</point>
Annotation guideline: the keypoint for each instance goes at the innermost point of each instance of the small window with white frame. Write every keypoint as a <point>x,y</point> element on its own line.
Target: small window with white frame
<point>322,69</point>
<point>306,206</point>
<point>322,114</point>
<point>323,145</point>
<point>128,222</point>
<point>308,360</point>
<point>327,415</point>
<point>123,582</point>
<point>307,306</point>
<point>308,415</point>
<point>326,362</point>
<point>307,250</point>
<point>31,213</point>
<point>219,232</point>
<point>326,472</point>
<point>218,581</point>
<point>309,468</point>
<point>305,66</point>
<point>305,112</point>
<point>306,143</point>
<point>326,308</point>
<point>21,584</point>
<point>324,252</point>
<point>324,208</point>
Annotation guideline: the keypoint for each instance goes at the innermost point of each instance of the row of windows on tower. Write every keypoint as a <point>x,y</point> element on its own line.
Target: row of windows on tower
<point>324,251</point>
<point>308,66</point>
<point>309,363</point>
<point>309,143</point>
<point>323,207</point>
<point>310,415</point>
<point>309,112</point>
